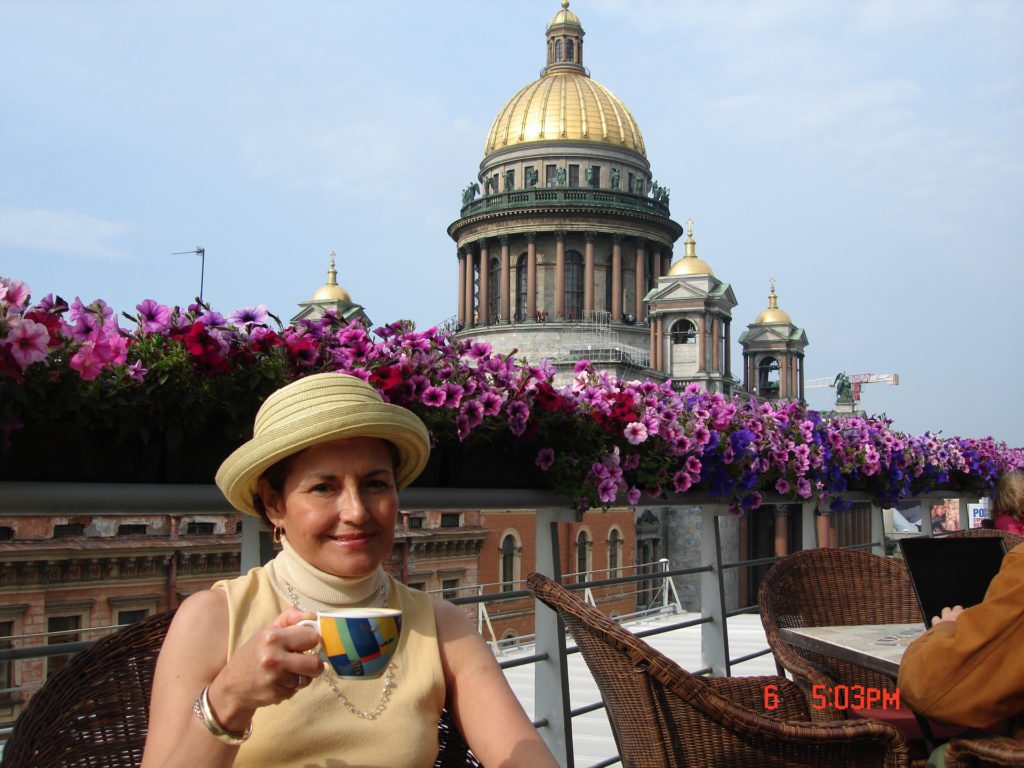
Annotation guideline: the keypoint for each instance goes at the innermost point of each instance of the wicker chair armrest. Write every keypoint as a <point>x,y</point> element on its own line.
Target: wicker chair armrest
<point>975,753</point>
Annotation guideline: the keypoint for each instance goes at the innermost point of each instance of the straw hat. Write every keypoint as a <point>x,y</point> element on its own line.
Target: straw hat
<point>318,409</point>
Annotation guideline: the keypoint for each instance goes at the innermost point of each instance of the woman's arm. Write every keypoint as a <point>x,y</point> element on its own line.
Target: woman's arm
<point>263,671</point>
<point>480,699</point>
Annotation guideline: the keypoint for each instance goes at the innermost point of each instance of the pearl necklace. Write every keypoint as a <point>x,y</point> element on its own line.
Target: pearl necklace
<point>389,673</point>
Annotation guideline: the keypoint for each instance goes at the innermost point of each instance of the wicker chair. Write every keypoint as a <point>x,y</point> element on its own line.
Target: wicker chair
<point>1000,752</point>
<point>833,587</point>
<point>1012,539</point>
<point>664,717</point>
<point>95,711</point>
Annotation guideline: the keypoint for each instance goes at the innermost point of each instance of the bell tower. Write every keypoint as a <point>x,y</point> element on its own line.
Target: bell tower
<point>773,354</point>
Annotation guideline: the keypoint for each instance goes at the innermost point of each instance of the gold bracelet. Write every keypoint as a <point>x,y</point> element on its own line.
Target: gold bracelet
<point>202,709</point>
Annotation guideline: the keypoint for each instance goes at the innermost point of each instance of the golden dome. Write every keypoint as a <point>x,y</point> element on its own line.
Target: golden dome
<point>565,16</point>
<point>331,291</point>
<point>690,264</point>
<point>773,314</point>
<point>564,106</point>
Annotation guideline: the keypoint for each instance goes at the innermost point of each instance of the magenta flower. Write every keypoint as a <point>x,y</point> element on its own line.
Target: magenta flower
<point>782,486</point>
<point>607,490</point>
<point>136,372</point>
<point>635,432</point>
<point>86,361</point>
<point>681,481</point>
<point>633,496</point>
<point>249,316</point>
<point>434,397</point>
<point>153,317</point>
<point>479,349</point>
<point>545,458</point>
<point>803,488</point>
<point>27,342</point>
<point>581,366</point>
<point>14,292</point>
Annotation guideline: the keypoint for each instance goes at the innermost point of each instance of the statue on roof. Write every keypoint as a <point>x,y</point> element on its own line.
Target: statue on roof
<point>844,389</point>
<point>531,177</point>
<point>615,178</point>
<point>469,193</point>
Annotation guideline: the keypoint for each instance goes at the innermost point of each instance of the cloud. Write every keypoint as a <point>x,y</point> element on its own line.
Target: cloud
<point>65,232</point>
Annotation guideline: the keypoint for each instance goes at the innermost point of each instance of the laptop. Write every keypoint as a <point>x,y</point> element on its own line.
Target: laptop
<point>951,571</point>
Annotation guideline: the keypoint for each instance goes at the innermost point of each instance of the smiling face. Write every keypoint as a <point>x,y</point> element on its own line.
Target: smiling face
<point>338,505</point>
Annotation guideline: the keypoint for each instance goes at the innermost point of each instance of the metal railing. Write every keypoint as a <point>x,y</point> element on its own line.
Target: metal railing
<point>563,196</point>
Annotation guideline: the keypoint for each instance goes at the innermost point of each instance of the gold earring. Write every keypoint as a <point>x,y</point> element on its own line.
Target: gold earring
<point>278,534</point>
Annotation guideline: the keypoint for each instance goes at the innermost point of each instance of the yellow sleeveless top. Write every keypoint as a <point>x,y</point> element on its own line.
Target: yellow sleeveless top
<point>313,729</point>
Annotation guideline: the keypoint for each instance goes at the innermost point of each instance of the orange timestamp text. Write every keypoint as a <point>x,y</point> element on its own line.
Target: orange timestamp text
<point>841,697</point>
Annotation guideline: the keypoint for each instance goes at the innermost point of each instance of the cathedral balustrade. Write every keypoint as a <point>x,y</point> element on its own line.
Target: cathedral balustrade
<point>567,196</point>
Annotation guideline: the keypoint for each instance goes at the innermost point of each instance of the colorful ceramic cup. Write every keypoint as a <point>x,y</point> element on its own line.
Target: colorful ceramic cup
<point>358,642</point>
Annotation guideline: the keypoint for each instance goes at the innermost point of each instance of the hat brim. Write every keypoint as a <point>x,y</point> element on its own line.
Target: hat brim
<point>238,477</point>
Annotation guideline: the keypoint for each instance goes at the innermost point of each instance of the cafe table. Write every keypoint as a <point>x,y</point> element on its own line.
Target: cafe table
<point>878,647</point>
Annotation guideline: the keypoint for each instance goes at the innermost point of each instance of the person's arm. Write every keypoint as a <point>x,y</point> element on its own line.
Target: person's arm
<point>265,670</point>
<point>968,671</point>
<point>480,700</point>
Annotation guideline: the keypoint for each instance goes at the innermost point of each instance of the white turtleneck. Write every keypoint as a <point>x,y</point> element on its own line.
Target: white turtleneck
<point>320,591</point>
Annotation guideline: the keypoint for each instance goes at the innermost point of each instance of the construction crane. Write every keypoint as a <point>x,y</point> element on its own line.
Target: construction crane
<point>854,381</point>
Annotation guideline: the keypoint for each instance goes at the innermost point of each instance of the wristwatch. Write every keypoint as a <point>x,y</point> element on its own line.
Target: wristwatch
<point>202,709</point>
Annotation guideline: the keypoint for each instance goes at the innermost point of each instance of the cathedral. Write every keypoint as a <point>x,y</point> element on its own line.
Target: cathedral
<point>566,248</point>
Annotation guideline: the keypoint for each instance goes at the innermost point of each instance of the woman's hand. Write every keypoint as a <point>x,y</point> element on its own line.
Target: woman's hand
<point>948,614</point>
<point>268,669</point>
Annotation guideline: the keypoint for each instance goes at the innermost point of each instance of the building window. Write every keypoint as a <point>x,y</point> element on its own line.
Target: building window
<point>573,285</point>
<point>131,616</point>
<point>493,288</point>
<point>420,585</point>
<point>65,628</point>
<point>6,667</point>
<point>614,553</point>
<point>683,332</point>
<point>450,519</point>
<point>594,176</point>
<point>768,377</point>
<point>449,589</point>
<point>582,556</point>
<point>574,175</point>
<point>550,175</point>
<point>558,50</point>
<point>131,529</point>
<point>200,529</point>
<point>415,523</point>
<point>631,180</point>
<point>521,295</point>
<point>570,52</point>
<point>511,554</point>
<point>6,533</point>
<point>68,530</point>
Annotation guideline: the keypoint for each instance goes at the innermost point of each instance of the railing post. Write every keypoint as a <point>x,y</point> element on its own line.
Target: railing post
<point>965,514</point>
<point>878,530</point>
<point>808,526</point>
<point>664,584</point>
<point>714,634</point>
<point>256,546</point>
<point>551,676</point>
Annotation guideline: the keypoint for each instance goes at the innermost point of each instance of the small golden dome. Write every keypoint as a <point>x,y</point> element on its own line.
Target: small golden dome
<point>565,16</point>
<point>773,314</point>
<point>564,106</point>
<point>331,291</point>
<point>690,264</point>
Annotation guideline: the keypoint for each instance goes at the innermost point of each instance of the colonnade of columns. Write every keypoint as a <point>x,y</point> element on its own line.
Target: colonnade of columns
<point>791,374</point>
<point>474,299</point>
<point>719,338</point>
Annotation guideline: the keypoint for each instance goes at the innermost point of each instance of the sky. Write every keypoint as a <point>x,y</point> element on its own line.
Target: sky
<point>867,155</point>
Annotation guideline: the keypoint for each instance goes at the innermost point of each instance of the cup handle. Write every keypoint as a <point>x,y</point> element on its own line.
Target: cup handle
<point>319,651</point>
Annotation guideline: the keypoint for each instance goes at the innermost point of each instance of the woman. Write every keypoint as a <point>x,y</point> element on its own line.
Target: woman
<point>234,684</point>
<point>1008,505</point>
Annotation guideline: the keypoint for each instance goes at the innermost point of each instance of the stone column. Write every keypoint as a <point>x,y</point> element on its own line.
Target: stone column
<point>531,277</point>
<point>462,289</point>
<point>701,341</point>
<point>559,275</point>
<point>715,342</point>
<point>800,374</point>
<point>728,347</point>
<point>640,279</point>
<point>666,263</point>
<point>485,273</point>
<point>657,263</point>
<point>506,286</point>
<point>470,320</point>
<point>660,338</point>
<point>783,376</point>
<point>652,344</point>
<point>616,277</point>
<point>588,276</point>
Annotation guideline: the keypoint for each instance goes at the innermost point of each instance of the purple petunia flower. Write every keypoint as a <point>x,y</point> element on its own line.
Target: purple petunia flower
<point>249,316</point>
<point>635,433</point>
<point>153,317</point>
<point>434,397</point>
<point>633,496</point>
<point>545,458</point>
<point>136,372</point>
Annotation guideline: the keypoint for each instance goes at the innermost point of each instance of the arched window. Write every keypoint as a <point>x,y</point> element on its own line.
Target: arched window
<point>768,377</point>
<point>493,290</point>
<point>614,553</point>
<point>582,555</point>
<point>683,332</point>
<point>570,53</point>
<point>510,553</point>
<point>558,50</point>
<point>573,285</point>
<point>521,295</point>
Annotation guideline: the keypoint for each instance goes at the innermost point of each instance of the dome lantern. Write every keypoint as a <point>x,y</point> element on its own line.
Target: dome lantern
<point>565,42</point>
<point>331,291</point>
<point>690,264</point>
<point>773,314</point>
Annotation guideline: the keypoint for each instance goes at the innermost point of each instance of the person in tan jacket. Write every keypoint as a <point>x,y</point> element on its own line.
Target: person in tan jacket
<point>968,669</point>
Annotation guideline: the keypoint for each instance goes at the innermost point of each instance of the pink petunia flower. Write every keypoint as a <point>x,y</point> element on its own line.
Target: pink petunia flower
<point>633,496</point>
<point>545,458</point>
<point>153,317</point>
<point>86,362</point>
<point>16,293</point>
<point>434,397</point>
<point>635,432</point>
<point>136,372</point>
<point>27,342</point>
